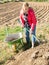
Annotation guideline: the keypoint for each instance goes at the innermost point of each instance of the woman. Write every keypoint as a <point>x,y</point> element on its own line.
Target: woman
<point>28,20</point>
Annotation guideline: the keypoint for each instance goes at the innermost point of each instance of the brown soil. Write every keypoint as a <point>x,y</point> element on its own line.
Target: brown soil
<point>9,12</point>
<point>36,56</point>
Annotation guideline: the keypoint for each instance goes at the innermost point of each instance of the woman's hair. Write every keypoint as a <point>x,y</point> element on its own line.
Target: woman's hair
<point>26,4</point>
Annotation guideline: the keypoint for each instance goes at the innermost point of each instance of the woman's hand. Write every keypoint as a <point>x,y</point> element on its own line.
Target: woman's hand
<point>30,31</point>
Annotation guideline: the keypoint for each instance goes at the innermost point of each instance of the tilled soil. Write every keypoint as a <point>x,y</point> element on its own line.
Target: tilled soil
<point>37,56</point>
<point>10,11</point>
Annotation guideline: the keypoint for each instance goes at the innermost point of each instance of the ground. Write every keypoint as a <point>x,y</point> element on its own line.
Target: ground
<point>39,55</point>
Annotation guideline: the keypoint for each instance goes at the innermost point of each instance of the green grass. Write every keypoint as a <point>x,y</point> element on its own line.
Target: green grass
<point>42,30</point>
<point>5,50</point>
<point>10,30</point>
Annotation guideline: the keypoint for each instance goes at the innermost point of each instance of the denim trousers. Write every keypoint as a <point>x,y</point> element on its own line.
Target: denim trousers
<point>28,35</point>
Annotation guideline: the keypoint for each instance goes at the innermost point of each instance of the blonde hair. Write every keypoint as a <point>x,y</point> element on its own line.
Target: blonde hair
<point>25,4</point>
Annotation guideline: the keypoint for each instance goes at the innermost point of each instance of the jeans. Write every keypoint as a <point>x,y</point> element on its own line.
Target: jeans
<point>27,36</point>
<point>34,33</point>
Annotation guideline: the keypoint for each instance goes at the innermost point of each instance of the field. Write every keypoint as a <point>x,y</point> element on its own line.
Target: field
<point>8,15</point>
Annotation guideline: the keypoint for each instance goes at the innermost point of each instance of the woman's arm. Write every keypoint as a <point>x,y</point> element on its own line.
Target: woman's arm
<point>22,20</point>
<point>33,18</point>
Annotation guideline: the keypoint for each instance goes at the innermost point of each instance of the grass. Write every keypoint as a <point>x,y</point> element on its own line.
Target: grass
<point>43,31</point>
<point>10,30</point>
<point>4,56</point>
<point>4,48</point>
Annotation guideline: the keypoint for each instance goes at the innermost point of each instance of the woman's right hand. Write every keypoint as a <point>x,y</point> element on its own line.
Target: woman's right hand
<point>22,26</point>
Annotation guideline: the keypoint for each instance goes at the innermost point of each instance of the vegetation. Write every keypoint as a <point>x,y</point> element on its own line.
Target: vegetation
<point>4,48</point>
<point>10,30</point>
<point>37,0</point>
<point>4,1</point>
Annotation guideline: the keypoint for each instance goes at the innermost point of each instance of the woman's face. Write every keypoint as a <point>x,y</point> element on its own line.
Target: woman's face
<point>25,8</point>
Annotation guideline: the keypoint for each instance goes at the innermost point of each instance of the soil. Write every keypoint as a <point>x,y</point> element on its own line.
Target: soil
<point>37,56</point>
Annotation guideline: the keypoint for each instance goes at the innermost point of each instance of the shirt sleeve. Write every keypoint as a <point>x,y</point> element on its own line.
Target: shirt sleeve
<point>33,19</point>
<point>21,19</point>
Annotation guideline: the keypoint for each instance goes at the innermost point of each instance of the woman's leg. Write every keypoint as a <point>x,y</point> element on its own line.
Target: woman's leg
<point>27,36</point>
<point>33,38</point>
